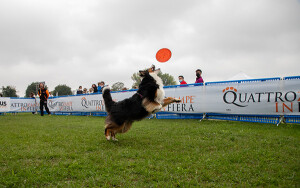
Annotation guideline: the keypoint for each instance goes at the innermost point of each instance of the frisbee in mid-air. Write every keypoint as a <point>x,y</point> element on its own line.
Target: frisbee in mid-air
<point>163,55</point>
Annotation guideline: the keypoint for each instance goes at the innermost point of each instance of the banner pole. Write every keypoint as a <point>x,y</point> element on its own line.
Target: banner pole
<point>203,117</point>
<point>280,120</point>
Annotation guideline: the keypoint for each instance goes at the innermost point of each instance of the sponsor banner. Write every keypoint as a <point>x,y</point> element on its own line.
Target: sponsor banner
<point>269,97</point>
<point>84,103</point>
<point>63,104</point>
<point>23,105</point>
<point>4,104</point>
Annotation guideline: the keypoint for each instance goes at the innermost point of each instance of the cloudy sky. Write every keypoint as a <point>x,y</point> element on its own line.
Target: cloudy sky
<point>80,42</point>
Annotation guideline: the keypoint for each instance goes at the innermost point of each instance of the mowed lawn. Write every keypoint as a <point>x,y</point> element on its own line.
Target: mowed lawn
<point>71,151</point>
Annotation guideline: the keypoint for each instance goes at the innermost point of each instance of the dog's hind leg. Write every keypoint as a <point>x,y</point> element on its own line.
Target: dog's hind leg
<point>127,126</point>
<point>111,133</point>
<point>107,133</point>
<point>111,128</point>
<point>113,136</point>
<point>121,129</point>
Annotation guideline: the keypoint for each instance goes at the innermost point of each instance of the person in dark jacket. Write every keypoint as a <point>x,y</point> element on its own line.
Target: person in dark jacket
<point>95,88</point>
<point>79,91</point>
<point>44,94</point>
<point>199,78</point>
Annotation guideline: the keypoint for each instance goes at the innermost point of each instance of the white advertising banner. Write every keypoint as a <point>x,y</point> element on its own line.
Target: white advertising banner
<point>269,97</point>
<point>84,103</point>
<point>4,104</point>
<point>23,105</point>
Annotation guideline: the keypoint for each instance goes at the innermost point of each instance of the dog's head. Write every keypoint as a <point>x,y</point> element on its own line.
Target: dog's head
<point>151,85</point>
<point>152,69</point>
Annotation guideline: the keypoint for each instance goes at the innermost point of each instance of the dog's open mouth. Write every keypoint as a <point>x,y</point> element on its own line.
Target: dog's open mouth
<point>149,70</point>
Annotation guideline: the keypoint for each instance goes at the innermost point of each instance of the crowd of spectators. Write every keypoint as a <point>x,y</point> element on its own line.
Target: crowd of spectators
<point>98,89</point>
<point>93,89</point>
<point>199,78</point>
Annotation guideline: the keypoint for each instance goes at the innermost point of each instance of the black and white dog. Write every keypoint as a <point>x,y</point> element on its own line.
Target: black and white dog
<point>150,98</point>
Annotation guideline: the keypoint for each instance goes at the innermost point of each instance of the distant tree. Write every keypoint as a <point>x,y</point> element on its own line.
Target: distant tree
<point>62,89</point>
<point>9,91</point>
<point>118,86</point>
<point>136,79</point>
<point>32,88</point>
<point>166,78</point>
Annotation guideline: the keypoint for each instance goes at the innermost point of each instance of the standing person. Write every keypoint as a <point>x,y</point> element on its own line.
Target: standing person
<point>85,91</point>
<point>44,94</point>
<point>95,89</point>
<point>99,87</point>
<point>79,91</point>
<point>102,84</point>
<point>199,79</point>
<point>181,80</point>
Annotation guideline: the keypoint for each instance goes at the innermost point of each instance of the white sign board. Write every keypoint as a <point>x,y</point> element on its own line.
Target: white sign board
<point>270,97</point>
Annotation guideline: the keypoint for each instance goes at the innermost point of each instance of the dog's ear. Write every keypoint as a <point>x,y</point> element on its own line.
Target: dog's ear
<point>143,73</point>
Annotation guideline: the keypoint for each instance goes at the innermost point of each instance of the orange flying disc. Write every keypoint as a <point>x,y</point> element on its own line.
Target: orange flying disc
<point>163,55</point>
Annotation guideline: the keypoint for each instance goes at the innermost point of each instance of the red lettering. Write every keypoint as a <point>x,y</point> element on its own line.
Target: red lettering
<point>284,105</point>
<point>192,98</point>
<point>98,108</point>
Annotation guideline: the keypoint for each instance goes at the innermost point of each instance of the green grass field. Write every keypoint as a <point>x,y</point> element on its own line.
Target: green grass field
<point>71,151</point>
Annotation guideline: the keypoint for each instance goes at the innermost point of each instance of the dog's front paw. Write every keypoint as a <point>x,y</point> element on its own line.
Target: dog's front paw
<point>176,100</point>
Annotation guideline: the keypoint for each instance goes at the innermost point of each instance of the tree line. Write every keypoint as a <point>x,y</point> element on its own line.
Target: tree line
<point>63,89</point>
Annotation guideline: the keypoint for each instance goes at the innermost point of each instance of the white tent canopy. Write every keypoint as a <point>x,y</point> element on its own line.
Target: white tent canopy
<point>240,76</point>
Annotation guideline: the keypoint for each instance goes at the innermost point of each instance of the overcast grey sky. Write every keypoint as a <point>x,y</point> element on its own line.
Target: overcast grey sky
<point>80,42</point>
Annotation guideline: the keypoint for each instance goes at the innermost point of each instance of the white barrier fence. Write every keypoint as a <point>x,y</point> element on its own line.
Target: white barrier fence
<point>260,97</point>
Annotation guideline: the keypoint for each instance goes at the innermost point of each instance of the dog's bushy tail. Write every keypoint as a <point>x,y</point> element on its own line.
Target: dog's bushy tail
<point>107,98</point>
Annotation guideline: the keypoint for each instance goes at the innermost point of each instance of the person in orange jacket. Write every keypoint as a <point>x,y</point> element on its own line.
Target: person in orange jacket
<point>44,94</point>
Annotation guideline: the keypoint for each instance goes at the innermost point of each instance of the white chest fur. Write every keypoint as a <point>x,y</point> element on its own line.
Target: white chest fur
<point>160,93</point>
